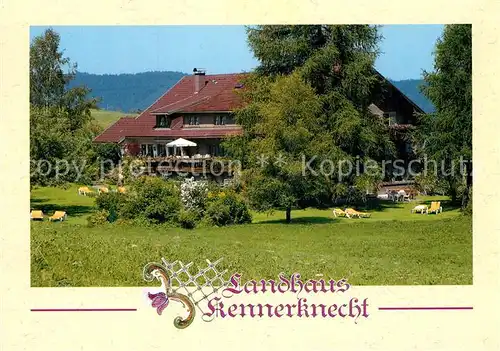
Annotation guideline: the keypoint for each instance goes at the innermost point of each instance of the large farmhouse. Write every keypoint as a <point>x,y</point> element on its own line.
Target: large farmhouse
<point>188,122</point>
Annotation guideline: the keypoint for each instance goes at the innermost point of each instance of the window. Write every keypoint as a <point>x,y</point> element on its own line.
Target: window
<point>162,121</point>
<point>162,151</point>
<point>146,150</point>
<point>391,117</point>
<point>408,148</point>
<point>216,150</point>
<point>220,120</point>
<point>193,120</point>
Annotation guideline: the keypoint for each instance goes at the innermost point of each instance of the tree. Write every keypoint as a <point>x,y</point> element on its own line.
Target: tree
<point>50,73</point>
<point>332,57</point>
<point>337,61</point>
<point>49,142</point>
<point>447,133</point>
<point>61,125</point>
<point>47,77</point>
<point>308,98</point>
<point>286,132</point>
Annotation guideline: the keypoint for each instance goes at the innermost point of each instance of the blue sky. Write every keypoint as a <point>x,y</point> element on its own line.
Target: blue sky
<point>406,49</point>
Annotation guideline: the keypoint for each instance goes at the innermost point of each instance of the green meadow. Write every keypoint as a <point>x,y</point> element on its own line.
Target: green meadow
<point>105,118</point>
<point>393,247</point>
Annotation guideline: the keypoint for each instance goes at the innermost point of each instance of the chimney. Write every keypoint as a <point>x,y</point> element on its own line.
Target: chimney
<point>199,76</point>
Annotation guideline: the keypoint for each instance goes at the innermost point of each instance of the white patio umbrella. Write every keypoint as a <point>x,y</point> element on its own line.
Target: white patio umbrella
<point>181,143</point>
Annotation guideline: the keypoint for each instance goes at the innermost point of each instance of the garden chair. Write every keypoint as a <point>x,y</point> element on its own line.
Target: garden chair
<point>102,189</point>
<point>36,215</point>
<point>392,194</point>
<point>351,212</point>
<point>420,209</point>
<point>84,190</point>
<point>337,212</point>
<point>58,216</point>
<point>401,194</point>
<point>435,207</point>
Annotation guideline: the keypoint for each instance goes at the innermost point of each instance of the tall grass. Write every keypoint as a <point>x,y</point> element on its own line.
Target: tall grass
<point>366,253</point>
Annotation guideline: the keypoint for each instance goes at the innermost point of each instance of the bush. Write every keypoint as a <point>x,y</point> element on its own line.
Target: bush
<point>188,219</point>
<point>426,184</point>
<point>155,199</point>
<point>226,208</point>
<point>218,213</point>
<point>98,217</point>
<point>129,167</point>
<point>123,222</point>
<point>113,203</point>
<point>429,184</point>
<point>141,221</point>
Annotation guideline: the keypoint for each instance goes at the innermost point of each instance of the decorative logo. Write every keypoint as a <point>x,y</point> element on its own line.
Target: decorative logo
<point>196,288</point>
<point>200,291</point>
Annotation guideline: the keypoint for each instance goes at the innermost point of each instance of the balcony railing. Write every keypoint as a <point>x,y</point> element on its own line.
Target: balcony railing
<point>178,158</point>
<point>195,164</point>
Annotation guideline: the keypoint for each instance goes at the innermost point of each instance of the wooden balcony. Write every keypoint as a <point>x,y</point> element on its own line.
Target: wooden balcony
<point>178,158</point>
<point>192,165</point>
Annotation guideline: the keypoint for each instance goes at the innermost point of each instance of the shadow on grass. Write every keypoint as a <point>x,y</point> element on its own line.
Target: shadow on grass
<point>300,220</point>
<point>38,200</point>
<point>384,205</point>
<point>381,205</point>
<point>447,205</point>
<point>49,208</point>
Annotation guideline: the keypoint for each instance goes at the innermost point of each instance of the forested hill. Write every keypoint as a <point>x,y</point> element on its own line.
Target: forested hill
<point>131,92</point>
<point>127,92</point>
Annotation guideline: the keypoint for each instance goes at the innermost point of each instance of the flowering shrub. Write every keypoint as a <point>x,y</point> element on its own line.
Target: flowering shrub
<point>155,201</point>
<point>194,195</point>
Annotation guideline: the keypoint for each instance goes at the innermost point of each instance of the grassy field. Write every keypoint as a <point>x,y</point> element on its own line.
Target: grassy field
<point>106,118</point>
<point>50,199</point>
<point>393,247</point>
